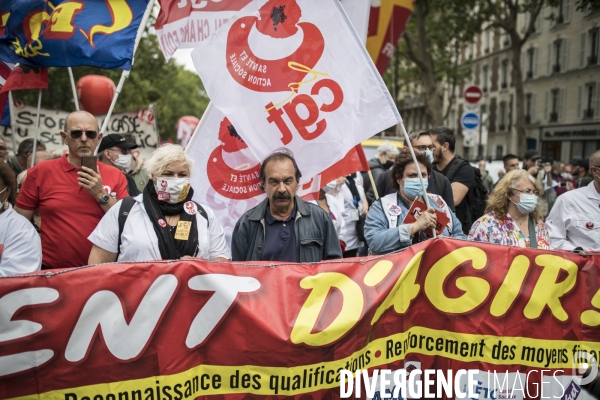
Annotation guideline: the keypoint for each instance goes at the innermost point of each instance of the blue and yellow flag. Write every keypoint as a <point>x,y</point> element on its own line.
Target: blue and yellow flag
<point>65,33</point>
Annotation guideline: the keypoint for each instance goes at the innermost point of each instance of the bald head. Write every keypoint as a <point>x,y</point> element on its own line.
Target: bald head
<point>595,159</point>
<point>76,114</point>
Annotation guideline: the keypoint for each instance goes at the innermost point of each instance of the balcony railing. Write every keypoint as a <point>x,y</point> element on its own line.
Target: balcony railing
<point>501,127</point>
<point>554,116</point>
<point>556,68</point>
<point>560,19</point>
<point>504,85</point>
<point>486,50</point>
<point>506,42</point>
<point>593,60</point>
<point>588,114</point>
<point>528,119</point>
<point>529,75</point>
<point>485,89</point>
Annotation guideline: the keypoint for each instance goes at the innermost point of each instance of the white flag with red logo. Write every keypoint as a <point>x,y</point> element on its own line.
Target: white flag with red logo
<point>294,74</point>
<point>225,174</point>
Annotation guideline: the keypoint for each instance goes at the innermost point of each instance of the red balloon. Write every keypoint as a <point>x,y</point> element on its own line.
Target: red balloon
<point>95,93</point>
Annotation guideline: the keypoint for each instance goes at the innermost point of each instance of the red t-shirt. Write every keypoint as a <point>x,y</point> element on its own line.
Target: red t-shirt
<point>69,213</point>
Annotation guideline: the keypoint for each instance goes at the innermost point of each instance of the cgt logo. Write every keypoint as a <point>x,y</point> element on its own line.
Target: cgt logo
<point>58,24</point>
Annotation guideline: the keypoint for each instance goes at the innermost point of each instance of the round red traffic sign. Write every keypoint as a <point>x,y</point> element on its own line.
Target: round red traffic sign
<point>473,94</point>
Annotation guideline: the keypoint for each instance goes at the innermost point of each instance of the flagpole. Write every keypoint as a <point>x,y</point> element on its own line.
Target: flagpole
<point>12,118</point>
<point>125,73</point>
<point>75,99</point>
<point>414,157</point>
<point>37,127</point>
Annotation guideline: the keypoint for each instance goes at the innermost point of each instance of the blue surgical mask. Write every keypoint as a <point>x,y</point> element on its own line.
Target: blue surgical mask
<point>413,188</point>
<point>527,203</point>
<point>429,155</point>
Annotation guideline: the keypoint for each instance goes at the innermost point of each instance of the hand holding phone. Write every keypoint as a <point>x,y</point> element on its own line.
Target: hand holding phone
<point>90,162</point>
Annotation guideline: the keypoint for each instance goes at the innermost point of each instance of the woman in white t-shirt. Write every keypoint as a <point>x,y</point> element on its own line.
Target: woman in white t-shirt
<point>163,223</point>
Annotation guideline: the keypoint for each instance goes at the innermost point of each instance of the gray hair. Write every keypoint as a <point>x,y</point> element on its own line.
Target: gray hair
<point>414,135</point>
<point>387,147</point>
<point>164,156</point>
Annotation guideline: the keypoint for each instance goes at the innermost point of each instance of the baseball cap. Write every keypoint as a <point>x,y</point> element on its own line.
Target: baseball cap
<point>113,140</point>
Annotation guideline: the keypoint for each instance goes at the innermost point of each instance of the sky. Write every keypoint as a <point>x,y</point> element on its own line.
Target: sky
<point>184,57</point>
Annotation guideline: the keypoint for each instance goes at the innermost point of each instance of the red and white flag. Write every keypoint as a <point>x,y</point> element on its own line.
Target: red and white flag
<point>5,70</point>
<point>185,128</point>
<point>26,77</point>
<point>225,175</point>
<point>294,73</point>
<point>182,24</point>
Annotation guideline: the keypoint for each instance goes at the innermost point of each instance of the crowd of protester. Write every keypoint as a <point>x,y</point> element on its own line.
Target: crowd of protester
<point>65,212</point>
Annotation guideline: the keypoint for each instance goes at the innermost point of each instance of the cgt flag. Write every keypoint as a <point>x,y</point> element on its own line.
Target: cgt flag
<point>387,22</point>
<point>182,24</point>
<point>294,73</point>
<point>68,33</point>
<point>26,77</point>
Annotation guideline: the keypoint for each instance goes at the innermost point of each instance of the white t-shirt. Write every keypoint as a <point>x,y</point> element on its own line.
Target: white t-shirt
<point>139,241</point>
<point>22,251</point>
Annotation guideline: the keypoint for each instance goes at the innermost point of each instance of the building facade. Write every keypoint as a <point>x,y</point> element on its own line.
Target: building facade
<point>561,73</point>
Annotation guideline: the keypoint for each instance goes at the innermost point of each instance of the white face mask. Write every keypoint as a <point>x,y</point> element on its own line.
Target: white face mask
<point>123,161</point>
<point>172,190</point>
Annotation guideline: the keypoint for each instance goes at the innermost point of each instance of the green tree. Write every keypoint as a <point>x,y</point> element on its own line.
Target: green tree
<point>435,36</point>
<point>174,91</point>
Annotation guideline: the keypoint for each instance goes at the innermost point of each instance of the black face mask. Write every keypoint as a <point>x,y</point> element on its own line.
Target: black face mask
<point>388,164</point>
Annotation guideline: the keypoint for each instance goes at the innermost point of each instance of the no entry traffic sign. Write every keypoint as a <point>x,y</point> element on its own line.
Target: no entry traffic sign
<point>473,94</point>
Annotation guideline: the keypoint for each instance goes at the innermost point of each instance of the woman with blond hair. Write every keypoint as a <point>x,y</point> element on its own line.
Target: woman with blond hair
<point>512,217</point>
<point>163,222</point>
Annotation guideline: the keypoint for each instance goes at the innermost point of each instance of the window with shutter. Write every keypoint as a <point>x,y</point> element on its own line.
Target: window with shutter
<point>561,105</point>
<point>549,67</point>
<point>533,108</point>
<point>597,105</point>
<point>582,51</point>
<point>546,107</point>
<point>564,62</point>
<point>579,102</point>
<point>535,62</point>
<point>567,10</point>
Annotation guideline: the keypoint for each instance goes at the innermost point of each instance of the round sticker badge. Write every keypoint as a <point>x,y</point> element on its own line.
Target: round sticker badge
<point>162,223</point>
<point>190,207</point>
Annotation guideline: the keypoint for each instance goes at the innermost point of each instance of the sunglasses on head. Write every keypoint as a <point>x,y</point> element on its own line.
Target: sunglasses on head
<point>76,134</point>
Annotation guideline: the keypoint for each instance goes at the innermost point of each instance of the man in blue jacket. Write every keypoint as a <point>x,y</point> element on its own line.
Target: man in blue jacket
<point>284,227</point>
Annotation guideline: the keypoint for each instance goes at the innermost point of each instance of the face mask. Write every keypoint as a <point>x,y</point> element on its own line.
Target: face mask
<point>123,161</point>
<point>388,164</point>
<point>413,188</point>
<point>429,155</point>
<point>4,204</point>
<point>566,175</point>
<point>527,203</point>
<point>172,190</point>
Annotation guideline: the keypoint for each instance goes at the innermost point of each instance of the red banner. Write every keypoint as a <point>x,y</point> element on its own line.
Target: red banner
<point>187,329</point>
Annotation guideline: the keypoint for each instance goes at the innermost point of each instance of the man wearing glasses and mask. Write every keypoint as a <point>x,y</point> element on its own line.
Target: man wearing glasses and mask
<point>574,221</point>
<point>115,151</point>
<point>437,183</point>
<point>72,199</point>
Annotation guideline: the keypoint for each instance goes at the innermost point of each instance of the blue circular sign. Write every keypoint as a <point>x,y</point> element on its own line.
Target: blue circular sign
<point>470,120</point>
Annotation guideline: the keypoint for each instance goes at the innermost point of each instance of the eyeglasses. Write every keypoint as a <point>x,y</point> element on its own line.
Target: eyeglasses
<point>76,134</point>
<point>423,147</point>
<point>529,191</point>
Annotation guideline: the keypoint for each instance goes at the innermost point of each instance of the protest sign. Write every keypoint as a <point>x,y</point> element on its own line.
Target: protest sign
<point>138,126</point>
<point>193,328</point>
<point>295,75</point>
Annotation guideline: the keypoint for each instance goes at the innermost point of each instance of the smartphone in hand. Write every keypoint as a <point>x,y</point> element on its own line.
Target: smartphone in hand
<point>90,162</point>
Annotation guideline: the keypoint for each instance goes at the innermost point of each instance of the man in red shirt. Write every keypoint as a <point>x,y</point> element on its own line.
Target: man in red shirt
<point>71,199</point>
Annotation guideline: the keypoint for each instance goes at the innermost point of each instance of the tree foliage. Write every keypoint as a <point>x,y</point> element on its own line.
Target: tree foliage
<point>174,91</point>
<point>429,54</point>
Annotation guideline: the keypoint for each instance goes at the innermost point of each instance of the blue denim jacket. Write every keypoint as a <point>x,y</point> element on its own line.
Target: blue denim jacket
<point>381,239</point>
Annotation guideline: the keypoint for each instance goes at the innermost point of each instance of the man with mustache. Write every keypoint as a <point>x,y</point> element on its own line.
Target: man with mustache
<point>284,227</point>
<point>72,199</point>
